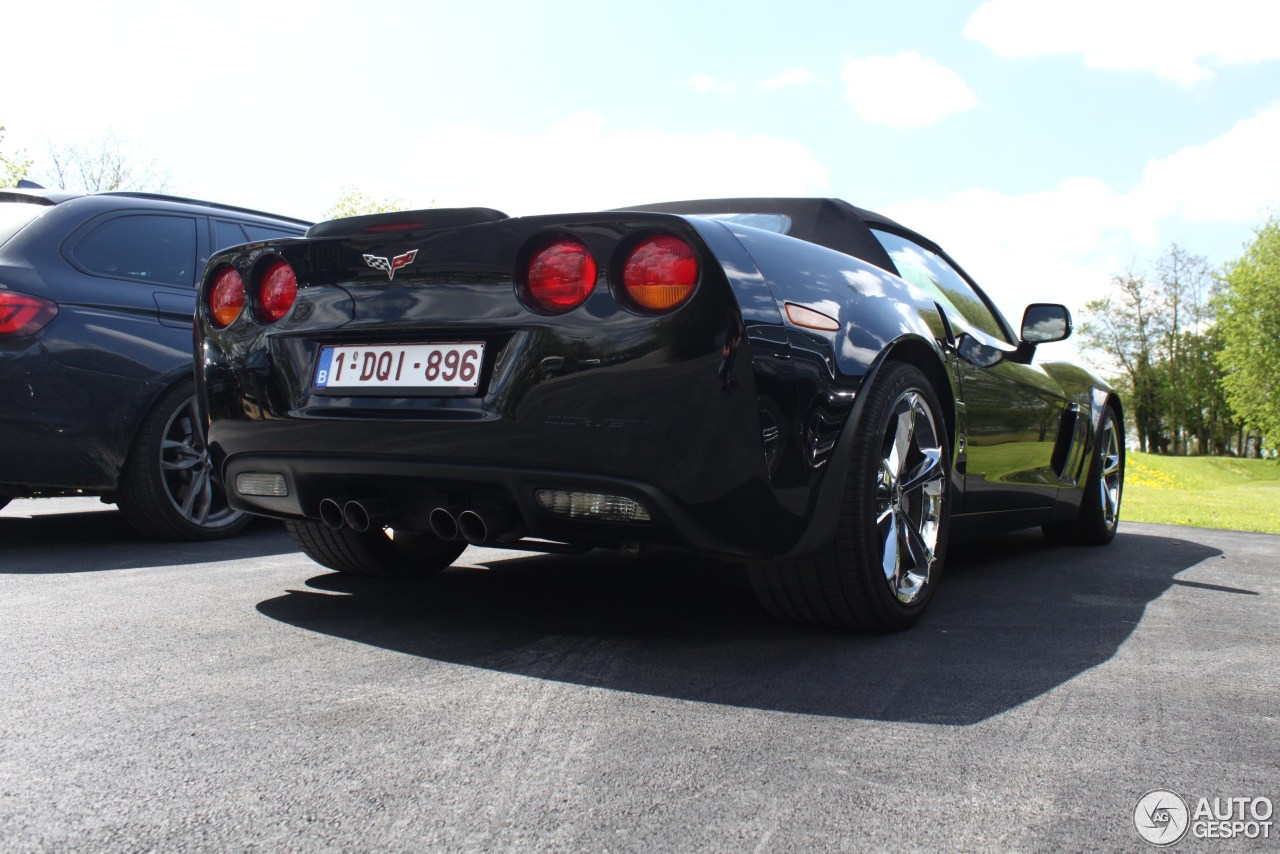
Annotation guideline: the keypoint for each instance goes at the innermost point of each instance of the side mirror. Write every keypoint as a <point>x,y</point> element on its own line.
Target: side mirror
<point>1045,322</point>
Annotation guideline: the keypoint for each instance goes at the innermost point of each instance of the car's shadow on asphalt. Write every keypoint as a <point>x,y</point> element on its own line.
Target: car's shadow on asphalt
<point>97,541</point>
<point>1015,618</point>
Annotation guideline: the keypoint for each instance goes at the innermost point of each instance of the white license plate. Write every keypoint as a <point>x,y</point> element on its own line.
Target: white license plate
<point>401,366</point>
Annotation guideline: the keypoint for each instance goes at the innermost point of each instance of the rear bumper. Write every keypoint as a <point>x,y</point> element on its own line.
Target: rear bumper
<point>738,524</point>
<point>64,429</point>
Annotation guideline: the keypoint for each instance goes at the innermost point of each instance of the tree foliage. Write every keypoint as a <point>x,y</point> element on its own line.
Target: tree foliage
<point>1249,318</point>
<point>1159,331</point>
<point>355,202</point>
<point>100,165</point>
<point>13,166</point>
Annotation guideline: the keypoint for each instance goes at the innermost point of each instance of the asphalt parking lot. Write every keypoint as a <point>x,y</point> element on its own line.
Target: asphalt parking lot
<point>237,696</point>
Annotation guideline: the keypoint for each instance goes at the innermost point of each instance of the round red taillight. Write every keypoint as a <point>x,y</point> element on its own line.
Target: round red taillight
<point>660,273</point>
<point>560,276</point>
<point>277,289</point>
<point>226,297</point>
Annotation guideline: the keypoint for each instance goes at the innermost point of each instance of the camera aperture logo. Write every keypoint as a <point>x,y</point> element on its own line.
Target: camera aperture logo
<point>1161,817</point>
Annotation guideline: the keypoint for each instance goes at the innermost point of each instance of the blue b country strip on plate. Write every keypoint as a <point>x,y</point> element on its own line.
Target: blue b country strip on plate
<point>400,366</point>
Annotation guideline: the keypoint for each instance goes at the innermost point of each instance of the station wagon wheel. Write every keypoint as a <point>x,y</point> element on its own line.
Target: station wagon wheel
<point>1104,487</point>
<point>169,488</point>
<point>884,562</point>
<point>379,551</point>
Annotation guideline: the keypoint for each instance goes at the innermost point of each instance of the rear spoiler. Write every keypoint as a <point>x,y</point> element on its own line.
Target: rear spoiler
<point>35,197</point>
<point>400,221</point>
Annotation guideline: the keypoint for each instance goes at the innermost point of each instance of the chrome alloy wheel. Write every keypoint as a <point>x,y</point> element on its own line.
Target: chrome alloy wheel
<point>187,472</point>
<point>1112,479</point>
<point>909,494</point>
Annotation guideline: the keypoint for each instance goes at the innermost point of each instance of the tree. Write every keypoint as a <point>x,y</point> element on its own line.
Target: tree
<point>101,165</point>
<point>355,202</point>
<point>1249,317</point>
<point>13,167</point>
<point>1123,328</point>
<point>1184,289</point>
<point>1159,331</point>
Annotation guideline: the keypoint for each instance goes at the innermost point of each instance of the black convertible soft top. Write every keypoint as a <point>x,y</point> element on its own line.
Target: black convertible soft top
<point>833,223</point>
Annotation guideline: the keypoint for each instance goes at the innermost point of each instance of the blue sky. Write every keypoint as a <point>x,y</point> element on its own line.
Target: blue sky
<point>1047,146</point>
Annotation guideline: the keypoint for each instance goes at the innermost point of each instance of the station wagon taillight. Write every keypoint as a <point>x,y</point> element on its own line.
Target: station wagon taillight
<point>226,297</point>
<point>560,276</point>
<point>24,315</point>
<point>660,274</point>
<point>277,289</point>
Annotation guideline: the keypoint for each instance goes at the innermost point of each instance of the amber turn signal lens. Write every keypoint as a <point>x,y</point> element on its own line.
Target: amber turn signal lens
<point>810,319</point>
<point>226,298</point>
<point>660,274</point>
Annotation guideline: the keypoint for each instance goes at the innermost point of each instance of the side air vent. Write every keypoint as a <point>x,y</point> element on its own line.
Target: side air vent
<point>1062,448</point>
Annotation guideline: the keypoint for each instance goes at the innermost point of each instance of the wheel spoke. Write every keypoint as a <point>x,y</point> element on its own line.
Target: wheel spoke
<point>903,432</point>
<point>921,551</point>
<point>205,497</point>
<point>930,469</point>
<point>189,500</point>
<point>892,561</point>
<point>186,463</point>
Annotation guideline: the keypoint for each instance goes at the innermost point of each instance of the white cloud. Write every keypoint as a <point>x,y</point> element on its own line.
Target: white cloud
<point>790,77</point>
<point>1064,244</point>
<point>581,164</point>
<point>1233,178</point>
<point>906,90</point>
<point>1179,40</point>
<point>708,85</point>
<point>1058,245</point>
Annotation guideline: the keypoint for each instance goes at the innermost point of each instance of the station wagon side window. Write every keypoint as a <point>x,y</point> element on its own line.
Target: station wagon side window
<point>263,232</point>
<point>931,273</point>
<point>141,247</point>
<point>227,234</point>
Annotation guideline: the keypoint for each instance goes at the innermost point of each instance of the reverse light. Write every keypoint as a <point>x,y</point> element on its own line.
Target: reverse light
<point>660,273</point>
<point>266,484</point>
<point>24,315</point>
<point>277,289</point>
<point>592,505</point>
<point>560,276</point>
<point>226,297</point>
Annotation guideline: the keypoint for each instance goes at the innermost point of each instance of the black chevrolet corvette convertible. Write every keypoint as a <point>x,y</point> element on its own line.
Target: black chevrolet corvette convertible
<point>796,384</point>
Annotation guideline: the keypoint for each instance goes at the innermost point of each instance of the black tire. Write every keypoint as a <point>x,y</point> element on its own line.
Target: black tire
<point>169,489</point>
<point>378,551</point>
<point>898,485</point>
<point>1100,507</point>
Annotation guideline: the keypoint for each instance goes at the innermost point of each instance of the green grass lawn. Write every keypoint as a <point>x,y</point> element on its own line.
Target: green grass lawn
<point>1207,492</point>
